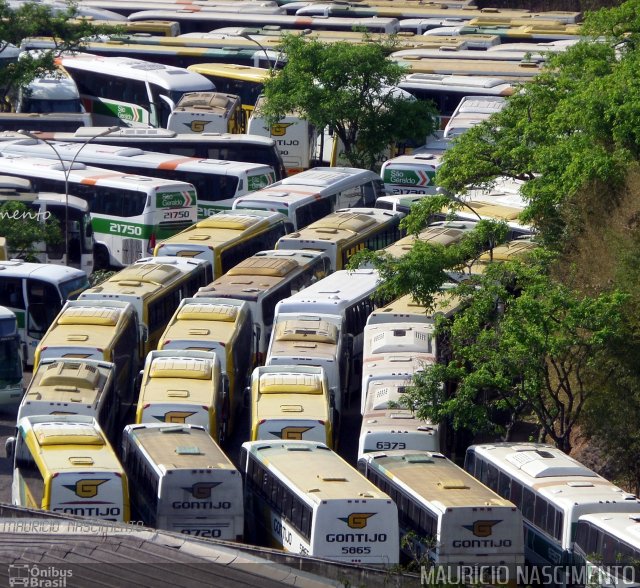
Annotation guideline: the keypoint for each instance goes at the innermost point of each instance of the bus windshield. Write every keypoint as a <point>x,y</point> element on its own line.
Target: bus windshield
<point>70,289</point>
<point>10,361</point>
<point>43,105</point>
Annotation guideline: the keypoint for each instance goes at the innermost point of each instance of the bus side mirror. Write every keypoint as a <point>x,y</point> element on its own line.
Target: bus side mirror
<point>138,383</point>
<point>10,447</point>
<point>144,333</point>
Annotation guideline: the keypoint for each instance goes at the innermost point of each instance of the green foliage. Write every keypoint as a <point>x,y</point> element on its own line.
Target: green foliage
<point>522,344</point>
<point>345,86</point>
<point>24,230</point>
<point>33,20</point>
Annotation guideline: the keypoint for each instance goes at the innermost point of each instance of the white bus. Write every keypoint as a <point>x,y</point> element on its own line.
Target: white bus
<point>246,148</point>
<point>457,521</point>
<point>182,481</point>
<point>411,174</point>
<point>264,279</point>
<point>50,93</point>
<point>62,207</point>
<point>130,92</point>
<point>75,387</point>
<point>64,464</point>
<point>217,182</point>
<point>607,548</point>
<point>317,192</point>
<point>11,389</point>
<point>304,498</point>
<point>290,403</point>
<point>128,212</point>
<point>551,489</point>
<point>35,293</point>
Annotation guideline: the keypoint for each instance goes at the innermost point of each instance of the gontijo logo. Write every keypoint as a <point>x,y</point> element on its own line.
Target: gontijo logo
<point>280,129</point>
<point>357,520</point>
<point>197,126</point>
<point>291,433</point>
<point>202,489</point>
<point>481,528</point>
<point>86,488</point>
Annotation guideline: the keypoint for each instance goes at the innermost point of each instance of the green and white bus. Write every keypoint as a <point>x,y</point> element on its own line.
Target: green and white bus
<point>128,212</point>
<point>130,92</point>
<point>10,359</point>
<point>35,293</point>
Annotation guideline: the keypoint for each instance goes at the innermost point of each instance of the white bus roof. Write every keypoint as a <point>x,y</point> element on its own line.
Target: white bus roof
<point>53,273</point>
<point>331,294</point>
<point>624,526</point>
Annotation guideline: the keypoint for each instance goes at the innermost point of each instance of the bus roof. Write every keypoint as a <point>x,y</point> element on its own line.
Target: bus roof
<point>69,381</point>
<point>180,377</point>
<point>179,447</point>
<point>623,526</point>
<point>76,442</point>
<point>304,336</point>
<point>436,479</point>
<point>475,84</point>
<point>259,273</point>
<point>234,70</point>
<point>213,321</point>
<point>224,228</point>
<point>165,76</point>
<point>313,466</point>
<point>291,392</point>
<point>89,323</point>
<point>43,271</point>
<point>144,277</point>
<point>406,308</point>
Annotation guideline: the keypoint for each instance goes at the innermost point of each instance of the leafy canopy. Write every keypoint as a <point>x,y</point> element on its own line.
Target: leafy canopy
<point>24,230</point>
<point>346,86</point>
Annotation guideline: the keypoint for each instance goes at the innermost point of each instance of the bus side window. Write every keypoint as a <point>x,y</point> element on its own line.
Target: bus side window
<point>44,305</point>
<point>11,293</point>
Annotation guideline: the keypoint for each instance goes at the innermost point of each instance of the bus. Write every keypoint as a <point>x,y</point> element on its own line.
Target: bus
<point>264,279</point>
<point>97,330</point>
<point>50,122</point>
<point>45,205</point>
<point>226,146</point>
<point>182,481</point>
<point>217,182</point>
<point>302,497</point>
<point>128,212</point>
<point>224,327</point>
<point>531,33</point>
<point>290,403</point>
<point>248,7</point>
<point>50,93</point>
<point>457,521</point>
<point>518,248</point>
<point>411,174</point>
<point>184,387</point>
<point>471,111</point>
<point>386,425</point>
<point>64,464</point>
<point>11,389</point>
<point>227,238</point>
<point>197,21</point>
<point>345,232</point>
<point>154,286</point>
<point>217,112</point>
<point>551,489</point>
<point>130,92</point>
<point>315,193</point>
<point>35,293</point>
<point>446,91</point>
<point>75,387</point>
<point>607,547</point>
<point>395,351</point>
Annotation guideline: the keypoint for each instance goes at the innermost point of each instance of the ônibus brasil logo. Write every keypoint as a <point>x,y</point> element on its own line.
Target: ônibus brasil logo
<point>357,520</point>
<point>85,488</point>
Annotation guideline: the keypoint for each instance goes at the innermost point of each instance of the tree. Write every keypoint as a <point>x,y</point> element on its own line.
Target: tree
<point>346,86</point>
<point>33,20</point>
<point>522,344</point>
<point>24,230</point>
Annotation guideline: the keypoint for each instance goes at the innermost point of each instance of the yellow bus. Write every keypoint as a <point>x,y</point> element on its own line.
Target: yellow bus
<point>262,281</point>
<point>516,249</point>
<point>97,330</point>
<point>64,464</point>
<point>290,403</point>
<point>343,233</point>
<point>227,238</point>
<point>184,387</point>
<point>224,327</point>
<point>154,286</point>
<point>75,386</point>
